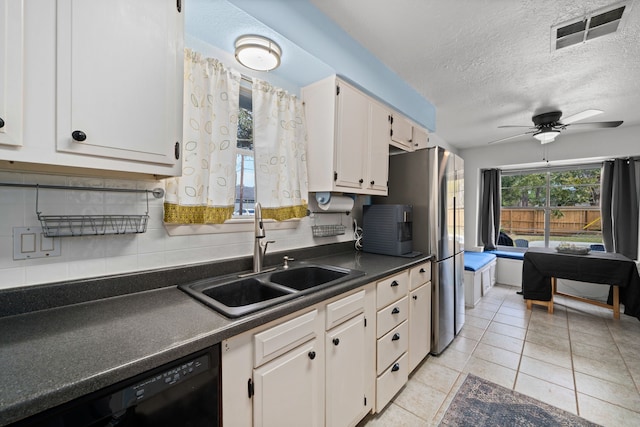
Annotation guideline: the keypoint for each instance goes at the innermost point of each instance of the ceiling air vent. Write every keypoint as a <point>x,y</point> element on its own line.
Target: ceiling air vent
<point>595,24</point>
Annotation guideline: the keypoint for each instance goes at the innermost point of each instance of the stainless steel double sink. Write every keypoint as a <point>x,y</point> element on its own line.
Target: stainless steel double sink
<point>237,296</point>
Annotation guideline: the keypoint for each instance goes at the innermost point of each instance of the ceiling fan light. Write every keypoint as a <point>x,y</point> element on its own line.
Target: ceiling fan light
<point>258,53</point>
<point>546,135</point>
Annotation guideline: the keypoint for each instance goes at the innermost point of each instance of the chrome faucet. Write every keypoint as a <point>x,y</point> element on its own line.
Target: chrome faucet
<point>258,249</point>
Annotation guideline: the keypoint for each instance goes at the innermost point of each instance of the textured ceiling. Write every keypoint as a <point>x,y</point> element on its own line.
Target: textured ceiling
<point>485,63</point>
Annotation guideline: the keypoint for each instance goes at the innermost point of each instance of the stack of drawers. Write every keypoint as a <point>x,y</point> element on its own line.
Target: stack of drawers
<point>392,332</point>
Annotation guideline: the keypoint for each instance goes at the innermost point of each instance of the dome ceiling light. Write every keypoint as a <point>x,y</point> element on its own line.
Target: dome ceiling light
<point>258,53</point>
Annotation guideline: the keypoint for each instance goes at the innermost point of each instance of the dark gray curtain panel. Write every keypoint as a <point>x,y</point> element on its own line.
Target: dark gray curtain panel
<point>489,221</point>
<point>619,207</point>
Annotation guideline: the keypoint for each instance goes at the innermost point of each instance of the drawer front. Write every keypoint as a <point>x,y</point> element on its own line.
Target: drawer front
<point>392,345</point>
<point>282,338</point>
<point>391,316</point>
<point>345,309</point>
<point>391,381</point>
<point>419,275</point>
<point>392,289</point>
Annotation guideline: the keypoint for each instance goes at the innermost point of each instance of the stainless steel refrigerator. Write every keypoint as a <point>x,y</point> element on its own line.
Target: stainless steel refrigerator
<point>432,180</point>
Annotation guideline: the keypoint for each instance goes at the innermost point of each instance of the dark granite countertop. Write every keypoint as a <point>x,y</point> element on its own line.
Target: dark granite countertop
<point>56,354</point>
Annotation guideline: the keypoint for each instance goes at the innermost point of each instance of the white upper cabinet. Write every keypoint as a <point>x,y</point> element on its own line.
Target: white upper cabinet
<point>92,84</point>
<point>11,71</point>
<point>406,135</point>
<point>401,132</point>
<point>118,84</point>
<point>348,139</point>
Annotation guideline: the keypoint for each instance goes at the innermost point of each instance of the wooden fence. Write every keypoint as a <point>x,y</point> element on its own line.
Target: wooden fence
<point>564,222</point>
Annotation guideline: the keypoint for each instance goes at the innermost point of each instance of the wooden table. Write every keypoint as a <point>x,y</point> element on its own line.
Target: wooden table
<point>542,267</point>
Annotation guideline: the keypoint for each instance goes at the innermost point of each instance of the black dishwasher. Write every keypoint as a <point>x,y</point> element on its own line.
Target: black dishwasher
<point>182,393</point>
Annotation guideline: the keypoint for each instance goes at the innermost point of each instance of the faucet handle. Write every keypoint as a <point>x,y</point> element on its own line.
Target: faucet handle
<point>286,260</point>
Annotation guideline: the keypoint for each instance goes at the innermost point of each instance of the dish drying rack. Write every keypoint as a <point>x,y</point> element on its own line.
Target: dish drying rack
<point>91,225</point>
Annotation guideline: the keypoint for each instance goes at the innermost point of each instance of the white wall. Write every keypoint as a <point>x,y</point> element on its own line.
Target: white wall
<point>567,148</point>
<point>93,256</point>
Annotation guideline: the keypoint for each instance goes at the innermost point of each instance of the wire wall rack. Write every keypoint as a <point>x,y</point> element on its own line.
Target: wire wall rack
<point>91,225</point>
<point>328,230</point>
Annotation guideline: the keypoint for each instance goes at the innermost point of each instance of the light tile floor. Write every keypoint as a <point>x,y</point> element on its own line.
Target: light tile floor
<point>579,359</point>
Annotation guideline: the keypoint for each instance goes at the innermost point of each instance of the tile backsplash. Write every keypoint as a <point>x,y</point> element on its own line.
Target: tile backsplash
<point>93,256</point>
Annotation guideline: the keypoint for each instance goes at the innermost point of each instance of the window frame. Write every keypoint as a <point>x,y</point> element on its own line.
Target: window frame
<point>548,207</point>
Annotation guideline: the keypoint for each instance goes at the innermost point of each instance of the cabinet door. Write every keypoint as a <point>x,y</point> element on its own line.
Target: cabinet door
<point>401,132</point>
<point>11,71</point>
<point>119,79</point>
<point>378,161</point>
<point>420,138</point>
<point>345,373</point>
<point>288,390</point>
<point>351,137</point>
<point>419,325</point>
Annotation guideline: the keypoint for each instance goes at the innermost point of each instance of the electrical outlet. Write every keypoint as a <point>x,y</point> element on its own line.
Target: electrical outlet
<point>30,242</point>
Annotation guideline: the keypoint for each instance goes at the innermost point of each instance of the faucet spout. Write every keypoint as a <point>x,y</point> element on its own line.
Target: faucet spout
<point>258,249</point>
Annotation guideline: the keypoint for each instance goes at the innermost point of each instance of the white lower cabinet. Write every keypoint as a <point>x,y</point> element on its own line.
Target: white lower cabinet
<point>392,337</point>
<point>332,363</point>
<point>277,374</point>
<point>419,324</point>
<point>346,386</point>
<point>286,389</point>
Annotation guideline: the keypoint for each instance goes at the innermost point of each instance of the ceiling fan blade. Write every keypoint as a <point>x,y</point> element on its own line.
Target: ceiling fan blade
<point>596,125</point>
<point>509,137</point>
<point>581,116</point>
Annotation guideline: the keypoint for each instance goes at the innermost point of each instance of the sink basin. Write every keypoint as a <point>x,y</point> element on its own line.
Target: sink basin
<point>306,277</point>
<point>243,292</point>
<point>235,297</point>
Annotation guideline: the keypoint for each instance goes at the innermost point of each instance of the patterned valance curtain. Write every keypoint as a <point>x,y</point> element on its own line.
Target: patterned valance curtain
<point>280,149</point>
<point>205,193</point>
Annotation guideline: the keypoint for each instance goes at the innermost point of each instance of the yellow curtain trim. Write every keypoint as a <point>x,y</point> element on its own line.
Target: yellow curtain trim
<point>281,214</point>
<point>176,214</point>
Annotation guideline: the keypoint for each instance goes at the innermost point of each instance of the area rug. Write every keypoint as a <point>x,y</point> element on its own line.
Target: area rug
<point>482,403</point>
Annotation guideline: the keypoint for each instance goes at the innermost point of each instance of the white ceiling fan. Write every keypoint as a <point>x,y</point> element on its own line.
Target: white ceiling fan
<point>547,126</point>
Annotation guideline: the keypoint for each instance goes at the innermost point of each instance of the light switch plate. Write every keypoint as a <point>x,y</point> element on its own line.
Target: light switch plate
<point>30,242</point>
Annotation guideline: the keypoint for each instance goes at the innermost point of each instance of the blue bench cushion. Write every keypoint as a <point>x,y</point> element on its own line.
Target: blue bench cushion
<point>474,261</point>
<point>506,254</point>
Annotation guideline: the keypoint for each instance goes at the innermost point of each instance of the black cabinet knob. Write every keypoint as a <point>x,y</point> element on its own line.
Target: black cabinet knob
<point>396,367</point>
<point>394,284</point>
<point>395,310</point>
<point>422,270</point>
<point>78,135</point>
<point>336,341</point>
<point>395,336</point>
<point>1,123</point>
<point>373,182</point>
<point>312,355</point>
<point>415,297</point>
<point>361,181</point>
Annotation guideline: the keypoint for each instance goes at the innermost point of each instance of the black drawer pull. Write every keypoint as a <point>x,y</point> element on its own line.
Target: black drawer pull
<point>78,135</point>
<point>395,337</point>
<point>361,181</point>
<point>394,284</point>
<point>395,310</point>
<point>312,355</point>
<point>396,367</point>
<point>422,270</point>
<point>415,297</point>
<point>336,341</point>
<point>1,123</point>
